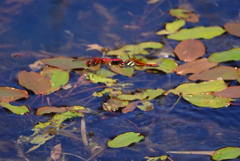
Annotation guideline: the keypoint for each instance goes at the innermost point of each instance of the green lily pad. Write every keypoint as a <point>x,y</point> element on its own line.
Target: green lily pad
<point>136,49</point>
<point>198,88</point>
<point>179,13</point>
<point>165,65</point>
<point>163,158</point>
<point>172,27</point>
<point>34,81</point>
<point>197,33</point>
<point>58,77</point>
<point>146,106</point>
<point>125,139</point>
<point>226,153</point>
<point>204,100</point>
<point>229,55</point>
<point>100,79</point>
<point>19,110</point>
<point>105,73</point>
<point>9,94</point>
<point>123,71</point>
<point>149,95</point>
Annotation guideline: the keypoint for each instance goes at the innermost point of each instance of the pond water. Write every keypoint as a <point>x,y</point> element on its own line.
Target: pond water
<point>31,30</point>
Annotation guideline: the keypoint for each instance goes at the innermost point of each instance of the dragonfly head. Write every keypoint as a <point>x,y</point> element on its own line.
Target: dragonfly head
<point>88,63</point>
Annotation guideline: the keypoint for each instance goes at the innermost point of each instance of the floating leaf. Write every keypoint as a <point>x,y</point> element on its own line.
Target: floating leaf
<point>9,94</point>
<point>189,50</point>
<point>49,109</point>
<point>123,71</point>
<point>197,33</point>
<point>114,104</point>
<point>131,107</point>
<point>34,81</point>
<point>223,72</point>
<point>146,106</point>
<point>136,49</point>
<point>105,73</point>
<point>19,110</point>
<point>125,139</point>
<point>165,65</point>
<point>197,88</point>
<point>163,158</point>
<point>233,28</point>
<point>229,55</point>
<point>182,13</point>
<point>226,153</point>
<point>149,94</point>
<point>100,79</point>
<point>204,100</point>
<point>194,66</point>
<point>56,152</point>
<point>172,27</point>
<point>45,131</point>
<point>229,92</point>
<point>58,77</point>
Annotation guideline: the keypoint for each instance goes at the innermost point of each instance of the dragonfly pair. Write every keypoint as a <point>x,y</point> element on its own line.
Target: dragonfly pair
<point>124,64</point>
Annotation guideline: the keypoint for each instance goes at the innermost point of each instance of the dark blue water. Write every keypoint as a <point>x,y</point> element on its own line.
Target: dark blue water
<point>65,27</point>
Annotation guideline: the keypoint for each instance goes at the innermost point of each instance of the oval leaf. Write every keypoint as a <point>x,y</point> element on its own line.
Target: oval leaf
<point>197,33</point>
<point>204,100</point>
<point>226,153</point>
<point>194,66</point>
<point>114,104</point>
<point>233,28</point>
<point>229,55</point>
<point>34,81</point>
<point>125,139</point>
<point>189,50</point>
<point>230,92</point>
<point>19,110</point>
<point>223,72</point>
<point>9,94</point>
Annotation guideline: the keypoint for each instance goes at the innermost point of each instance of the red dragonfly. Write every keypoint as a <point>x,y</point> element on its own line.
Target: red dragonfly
<point>135,62</point>
<point>96,60</point>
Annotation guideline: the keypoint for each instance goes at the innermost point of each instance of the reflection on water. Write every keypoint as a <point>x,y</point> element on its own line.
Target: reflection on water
<point>30,30</point>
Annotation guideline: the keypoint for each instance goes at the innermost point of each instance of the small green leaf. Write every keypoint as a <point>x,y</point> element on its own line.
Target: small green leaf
<point>114,104</point>
<point>57,77</point>
<point>123,71</point>
<point>204,100</point>
<point>179,13</point>
<point>163,158</point>
<point>125,139</point>
<point>197,33</point>
<point>105,72</point>
<point>146,106</point>
<point>229,55</point>
<point>198,88</point>
<point>226,153</point>
<point>100,79</point>
<point>174,26</point>
<point>19,110</point>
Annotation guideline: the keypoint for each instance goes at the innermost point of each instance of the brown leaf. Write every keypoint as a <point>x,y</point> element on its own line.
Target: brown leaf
<point>189,50</point>
<point>233,28</point>
<point>9,94</point>
<point>132,106</point>
<point>196,66</point>
<point>113,104</point>
<point>224,72</point>
<point>34,81</point>
<point>192,17</point>
<point>56,152</point>
<point>230,92</point>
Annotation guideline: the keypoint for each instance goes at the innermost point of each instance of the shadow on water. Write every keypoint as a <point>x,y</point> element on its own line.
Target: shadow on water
<point>31,30</point>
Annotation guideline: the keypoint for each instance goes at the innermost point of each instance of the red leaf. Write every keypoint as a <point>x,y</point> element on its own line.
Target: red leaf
<point>9,94</point>
<point>196,66</point>
<point>189,50</point>
<point>230,92</point>
<point>233,28</point>
<point>34,81</point>
<point>224,72</point>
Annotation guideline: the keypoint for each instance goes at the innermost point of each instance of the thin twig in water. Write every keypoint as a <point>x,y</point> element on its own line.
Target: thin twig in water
<point>83,131</point>
<point>174,104</point>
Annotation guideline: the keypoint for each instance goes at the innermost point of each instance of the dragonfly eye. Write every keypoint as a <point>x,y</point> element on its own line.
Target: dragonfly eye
<point>88,63</point>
